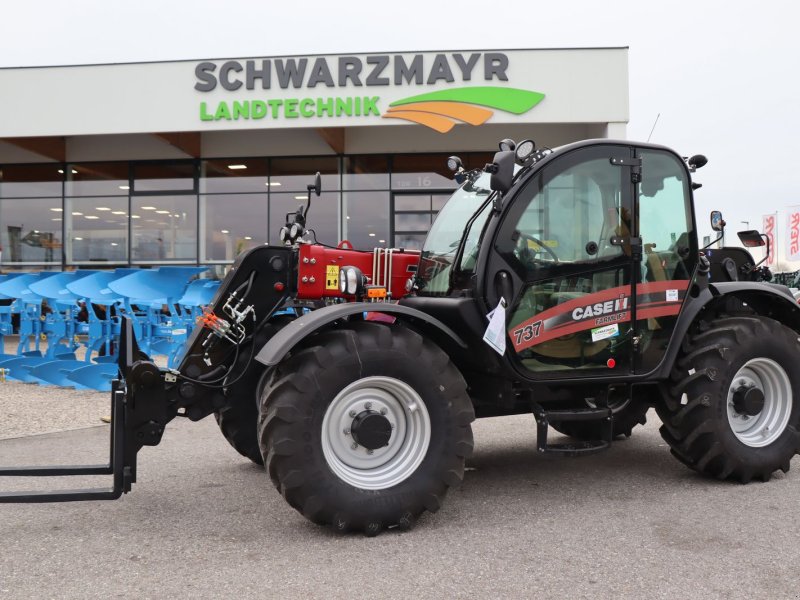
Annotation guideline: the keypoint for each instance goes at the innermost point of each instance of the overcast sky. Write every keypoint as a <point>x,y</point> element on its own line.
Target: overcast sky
<point>723,75</point>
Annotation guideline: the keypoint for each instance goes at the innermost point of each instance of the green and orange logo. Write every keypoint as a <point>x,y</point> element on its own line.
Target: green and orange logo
<point>443,109</point>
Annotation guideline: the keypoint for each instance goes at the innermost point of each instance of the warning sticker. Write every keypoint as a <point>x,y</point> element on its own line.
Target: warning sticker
<point>332,277</point>
<point>672,296</point>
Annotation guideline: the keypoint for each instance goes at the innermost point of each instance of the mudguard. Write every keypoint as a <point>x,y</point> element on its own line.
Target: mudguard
<point>299,329</point>
<point>764,298</point>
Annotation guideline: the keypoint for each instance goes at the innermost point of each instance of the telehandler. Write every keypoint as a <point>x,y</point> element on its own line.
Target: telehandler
<point>566,283</point>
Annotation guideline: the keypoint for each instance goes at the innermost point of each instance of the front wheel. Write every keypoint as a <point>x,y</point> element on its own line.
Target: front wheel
<point>365,427</point>
<point>732,410</point>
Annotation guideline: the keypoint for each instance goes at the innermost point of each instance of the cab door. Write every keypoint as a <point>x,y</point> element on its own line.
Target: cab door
<point>565,259</point>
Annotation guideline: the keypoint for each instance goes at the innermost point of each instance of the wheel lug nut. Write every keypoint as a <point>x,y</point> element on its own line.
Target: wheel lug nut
<point>346,432</point>
<point>383,411</point>
<point>370,451</point>
<point>368,405</point>
<point>354,445</point>
<point>352,414</point>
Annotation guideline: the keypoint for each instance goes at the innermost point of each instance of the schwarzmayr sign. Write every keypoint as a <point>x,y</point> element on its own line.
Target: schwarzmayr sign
<point>325,87</point>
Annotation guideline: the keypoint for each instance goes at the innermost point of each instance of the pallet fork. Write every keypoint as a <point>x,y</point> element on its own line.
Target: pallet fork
<point>137,420</point>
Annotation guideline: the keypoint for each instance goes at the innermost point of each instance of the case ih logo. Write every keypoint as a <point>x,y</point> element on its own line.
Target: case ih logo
<point>439,110</point>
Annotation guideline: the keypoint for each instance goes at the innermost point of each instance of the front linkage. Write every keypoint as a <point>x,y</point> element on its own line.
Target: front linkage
<point>145,398</point>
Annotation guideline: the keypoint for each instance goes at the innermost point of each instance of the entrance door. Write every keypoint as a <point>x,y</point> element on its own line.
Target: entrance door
<point>412,216</point>
<point>564,245</point>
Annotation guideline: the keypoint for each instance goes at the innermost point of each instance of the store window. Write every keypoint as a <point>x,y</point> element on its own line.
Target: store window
<point>369,172</point>
<point>234,175</point>
<point>31,181</point>
<point>164,229</point>
<point>97,229</point>
<point>179,176</point>
<point>294,174</point>
<point>233,223</point>
<point>30,230</point>
<point>366,221</point>
<point>421,171</point>
<point>97,179</point>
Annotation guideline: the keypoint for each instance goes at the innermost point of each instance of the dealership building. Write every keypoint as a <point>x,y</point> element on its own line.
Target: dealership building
<point>191,162</point>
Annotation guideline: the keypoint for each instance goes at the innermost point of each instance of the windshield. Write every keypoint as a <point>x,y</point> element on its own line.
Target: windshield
<point>441,245</point>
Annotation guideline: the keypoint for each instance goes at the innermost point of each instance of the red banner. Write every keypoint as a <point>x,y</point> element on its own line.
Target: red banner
<point>793,234</point>
<point>769,230</point>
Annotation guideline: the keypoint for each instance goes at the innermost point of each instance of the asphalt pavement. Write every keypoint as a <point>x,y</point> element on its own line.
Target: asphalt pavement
<point>202,522</point>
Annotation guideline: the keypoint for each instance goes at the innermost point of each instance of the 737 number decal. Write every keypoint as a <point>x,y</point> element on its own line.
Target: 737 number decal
<point>527,333</point>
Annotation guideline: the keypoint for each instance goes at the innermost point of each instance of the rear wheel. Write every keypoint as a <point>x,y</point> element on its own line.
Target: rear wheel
<point>365,427</point>
<point>731,411</point>
<point>238,420</point>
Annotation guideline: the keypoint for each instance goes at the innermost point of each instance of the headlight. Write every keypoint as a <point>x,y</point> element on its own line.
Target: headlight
<point>284,234</point>
<point>524,150</point>
<point>454,163</point>
<point>351,281</point>
<point>294,231</point>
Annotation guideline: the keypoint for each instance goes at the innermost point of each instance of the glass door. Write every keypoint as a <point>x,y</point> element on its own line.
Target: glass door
<point>412,216</point>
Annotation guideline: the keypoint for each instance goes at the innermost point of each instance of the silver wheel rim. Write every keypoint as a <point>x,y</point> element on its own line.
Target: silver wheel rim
<point>410,437</point>
<point>764,428</point>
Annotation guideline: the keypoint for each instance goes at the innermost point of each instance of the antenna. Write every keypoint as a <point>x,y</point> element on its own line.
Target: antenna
<point>654,127</point>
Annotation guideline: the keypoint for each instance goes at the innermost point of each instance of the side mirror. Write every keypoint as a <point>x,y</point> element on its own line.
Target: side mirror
<point>751,238</point>
<point>502,170</point>
<point>317,185</point>
<point>717,222</point>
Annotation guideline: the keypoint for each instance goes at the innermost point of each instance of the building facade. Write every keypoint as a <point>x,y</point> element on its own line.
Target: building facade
<point>191,162</point>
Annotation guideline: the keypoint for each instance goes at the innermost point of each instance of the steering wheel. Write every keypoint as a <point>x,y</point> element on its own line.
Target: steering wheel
<point>539,243</point>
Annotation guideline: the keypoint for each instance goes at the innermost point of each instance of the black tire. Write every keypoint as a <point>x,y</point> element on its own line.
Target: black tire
<point>301,391</point>
<point>695,404</point>
<point>238,419</point>
<point>635,413</point>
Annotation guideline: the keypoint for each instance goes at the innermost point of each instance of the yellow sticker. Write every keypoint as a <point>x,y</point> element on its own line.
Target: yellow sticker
<point>332,277</point>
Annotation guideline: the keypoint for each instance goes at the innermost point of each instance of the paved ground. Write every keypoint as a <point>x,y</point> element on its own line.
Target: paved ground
<point>203,523</point>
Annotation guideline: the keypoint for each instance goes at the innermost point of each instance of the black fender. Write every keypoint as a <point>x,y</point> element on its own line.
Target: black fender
<point>767,299</point>
<point>287,338</point>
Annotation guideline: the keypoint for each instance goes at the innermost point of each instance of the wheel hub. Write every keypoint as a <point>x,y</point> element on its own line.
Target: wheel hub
<point>371,430</point>
<point>748,400</point>
<point>759,402</point>
<point>375,432</point>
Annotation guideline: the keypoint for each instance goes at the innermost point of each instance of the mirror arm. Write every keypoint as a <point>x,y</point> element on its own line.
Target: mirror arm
<point>709,244</point>
<point>766,255</point>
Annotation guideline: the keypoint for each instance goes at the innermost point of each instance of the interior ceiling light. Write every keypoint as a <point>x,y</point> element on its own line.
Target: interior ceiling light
<point>371,235</point>
<point>300,197</point>
<point>56,219</point>
<point>91,217</point>
<point>247,237</point>
<point>102,208</point>
<point>225,231</point>
<point>118,212</point>
<point>61,171</point>
<point>148,208</point>
<point>77,214</point>
<point>78,239</point>
<point>114,244</point>
<point>237,167</point>
<point>135,217</point>
<point>162,212</point>
<point>57,209</point>
<point>124,187</point>
<point>74,172</point>
<point>273,183</point>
